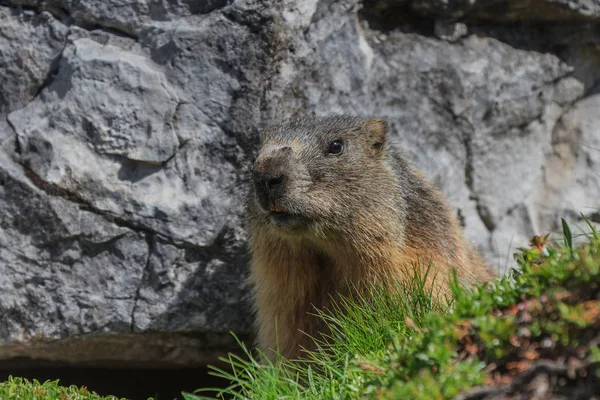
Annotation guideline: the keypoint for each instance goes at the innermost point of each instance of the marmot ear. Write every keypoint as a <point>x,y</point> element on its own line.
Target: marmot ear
<point>377,130</point>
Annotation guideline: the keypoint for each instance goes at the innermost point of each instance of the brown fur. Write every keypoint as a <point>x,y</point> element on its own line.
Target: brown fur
<point>366,217</point>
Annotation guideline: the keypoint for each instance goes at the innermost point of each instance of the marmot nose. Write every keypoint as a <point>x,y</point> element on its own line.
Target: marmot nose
<point>273,182</point>
<point>269,176</point>
<point>269,190</point>
<point>269,184</point>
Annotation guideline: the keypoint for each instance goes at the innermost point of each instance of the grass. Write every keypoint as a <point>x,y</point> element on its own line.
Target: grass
<point>543,317</point>
<point>22,389</point>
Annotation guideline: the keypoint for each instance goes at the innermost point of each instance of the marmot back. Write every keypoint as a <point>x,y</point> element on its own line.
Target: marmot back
<point>334,204</point>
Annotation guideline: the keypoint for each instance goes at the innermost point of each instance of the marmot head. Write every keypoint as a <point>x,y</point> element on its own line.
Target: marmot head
<point>316,173</point>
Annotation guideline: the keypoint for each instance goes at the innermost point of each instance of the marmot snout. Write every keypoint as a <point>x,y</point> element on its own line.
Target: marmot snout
<point>271,176</point>
<point>333,205</point>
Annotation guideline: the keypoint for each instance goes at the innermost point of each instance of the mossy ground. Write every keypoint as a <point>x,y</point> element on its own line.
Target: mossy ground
<point>535,332</point>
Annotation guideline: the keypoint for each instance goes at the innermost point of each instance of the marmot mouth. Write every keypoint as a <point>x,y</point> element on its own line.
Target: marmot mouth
<point>285,219</point>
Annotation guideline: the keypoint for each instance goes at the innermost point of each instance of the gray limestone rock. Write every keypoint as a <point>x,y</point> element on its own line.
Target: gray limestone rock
<point>31,44</point>
<point>64,271</point>
<point>127,130</point>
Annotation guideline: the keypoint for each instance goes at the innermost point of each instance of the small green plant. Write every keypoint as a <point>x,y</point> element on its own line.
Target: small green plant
<point>23,389</point>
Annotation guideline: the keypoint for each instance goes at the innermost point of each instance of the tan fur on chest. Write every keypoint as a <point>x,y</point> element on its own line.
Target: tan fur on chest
<point>296,278</point>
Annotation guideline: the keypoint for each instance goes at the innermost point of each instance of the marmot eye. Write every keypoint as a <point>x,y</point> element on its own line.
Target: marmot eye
<point>336,147</point>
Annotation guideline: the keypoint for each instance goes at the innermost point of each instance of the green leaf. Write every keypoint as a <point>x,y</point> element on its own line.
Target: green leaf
<point>567,234</point>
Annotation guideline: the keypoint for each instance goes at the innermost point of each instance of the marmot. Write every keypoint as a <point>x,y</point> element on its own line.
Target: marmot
<point>332,204</point>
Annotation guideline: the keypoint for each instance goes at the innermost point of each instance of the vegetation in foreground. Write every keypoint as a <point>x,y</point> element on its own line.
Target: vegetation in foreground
<point>23,389</point>
<point>534,332</point>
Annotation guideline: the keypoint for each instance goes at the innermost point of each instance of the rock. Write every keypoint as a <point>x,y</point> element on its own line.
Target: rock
<point>106,129</point>
<point>184,289</point>
<point>31,44</point>
<point>123,17</point>
<point>127,131</point>
<point>122,105</point>
<point>450,31</point>
<point>569,182</point>
<point>511,10</point>
<point>64,271</point>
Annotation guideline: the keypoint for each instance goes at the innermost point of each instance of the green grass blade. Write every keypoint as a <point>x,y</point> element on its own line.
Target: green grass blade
<point>568,236</point>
